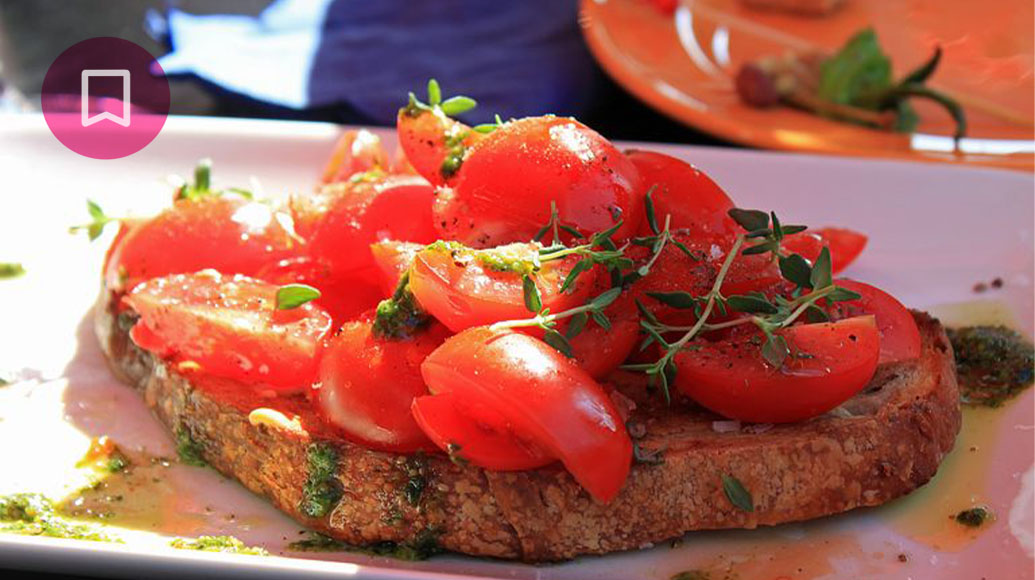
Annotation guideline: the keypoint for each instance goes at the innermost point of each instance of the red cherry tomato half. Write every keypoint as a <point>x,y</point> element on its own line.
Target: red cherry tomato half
<point>899,335</point>
<point>356,152</point>
<point>343,297</point>
<point>429,138</point>
<point>450,424</point>
<point>544,397</point>
<point>829,363</point>
<point>228,234</point>
<point>393,259</point>
<point>342,220</point>
<point>845,245</point>
<point>684,192</point>
<point>230,327</point>
<point>676,271</point>
<point>600,350</point>
<point>462,288</point>
<point>504,188</point>
<point>368,384</point>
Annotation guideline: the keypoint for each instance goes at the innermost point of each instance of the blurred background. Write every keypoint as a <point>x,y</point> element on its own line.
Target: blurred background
<point>897,79</point>
<point>517,59</point>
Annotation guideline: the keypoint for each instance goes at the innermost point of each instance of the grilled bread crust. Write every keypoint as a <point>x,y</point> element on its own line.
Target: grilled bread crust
<point>882,444</point>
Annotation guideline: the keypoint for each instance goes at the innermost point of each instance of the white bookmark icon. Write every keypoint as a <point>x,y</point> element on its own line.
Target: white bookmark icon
<point>89,119</point>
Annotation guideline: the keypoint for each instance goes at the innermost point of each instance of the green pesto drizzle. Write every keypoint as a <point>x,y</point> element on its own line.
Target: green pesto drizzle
<point>322,489</point>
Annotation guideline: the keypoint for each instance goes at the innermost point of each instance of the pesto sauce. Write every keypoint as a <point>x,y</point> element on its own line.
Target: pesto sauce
<point>455,152</point>
<point>416,467</point>
<point>421,547</point>
<point>400,316</point>
<point>973,517</point>
<point>993,363</point>
<point>189,450</point>
<point>10,270</point>
<point>224,544</point>
<point>31,514</point>
<point>322,489</point>
<point>516,258</point>
<point>691,575</point>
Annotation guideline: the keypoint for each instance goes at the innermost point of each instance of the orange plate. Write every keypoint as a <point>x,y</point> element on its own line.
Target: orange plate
<point>683,64</point>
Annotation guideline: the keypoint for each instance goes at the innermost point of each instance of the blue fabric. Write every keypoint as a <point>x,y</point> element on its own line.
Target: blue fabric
<point>515,58</point>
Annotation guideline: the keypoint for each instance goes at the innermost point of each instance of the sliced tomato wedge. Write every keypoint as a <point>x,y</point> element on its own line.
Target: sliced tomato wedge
<point>229,234</point>
<point>544,397</point>
<point>899,334</point>
<point>451,425</point>
<point>368,384</point>
<point>343,296</point>
<point>845,245</point>
<point>599,350</point>
<point>829,363</point>
<point>429,138</point>
<point>463,288</point>
<point>341,220</point>
<point>357,151</point>
<point>393,259</point>
<point>684,192</point>
<point>230,327</point>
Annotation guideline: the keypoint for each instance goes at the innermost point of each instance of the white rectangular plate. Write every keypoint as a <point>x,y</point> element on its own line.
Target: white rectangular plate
<point>934,232</point>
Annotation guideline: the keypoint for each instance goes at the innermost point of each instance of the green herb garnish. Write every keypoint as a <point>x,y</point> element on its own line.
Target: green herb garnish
<point>31,514</point>
<point>98,221</point>
<point>294,295</point>
<point>189,450</point>
<point>400,316</point>
<point>322,488</point>
<point>10,270</point>
<point>973,517</point>
<point>738,495</point>
<point>224,544</point>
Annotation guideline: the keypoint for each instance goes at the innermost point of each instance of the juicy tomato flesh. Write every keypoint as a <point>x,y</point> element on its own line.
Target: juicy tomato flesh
<point>357,151</point>
<point>342,296</point>
<point>829,363</point>
<point>675,271</point>
<point>393,259</point>
<point>600,350</point>
<point>341,221</point>
<point>508,180</point>
<point>685,193</point>
<point>461,290</point>
<point>229,326</point>
<point>451,425</point>
<point>426,138</point>
<point>228,234</point>
<point>899,334</point>
<point>368,384</point>
<point>544,397</point>
<point>845,245</point>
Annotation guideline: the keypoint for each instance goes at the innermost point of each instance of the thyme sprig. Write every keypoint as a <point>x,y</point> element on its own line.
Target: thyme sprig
<point>663,371</point>
<point>657,242</point>
<point>580,315</point>
<point>98,221</point>
<point>450,107</point>
<point>202,185</point>
<point>489,127</point>
<point>599,250</point>
<point>814,283</point>
<point>757,224</point>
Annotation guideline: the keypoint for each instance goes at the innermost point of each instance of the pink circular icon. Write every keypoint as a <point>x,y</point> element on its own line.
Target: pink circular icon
<point>105,98</point>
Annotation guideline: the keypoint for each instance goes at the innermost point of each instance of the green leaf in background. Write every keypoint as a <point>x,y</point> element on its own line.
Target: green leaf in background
<point>860,68</point>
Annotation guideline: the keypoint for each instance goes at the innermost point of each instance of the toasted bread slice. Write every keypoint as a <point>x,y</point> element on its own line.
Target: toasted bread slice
<point>882,444</point>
